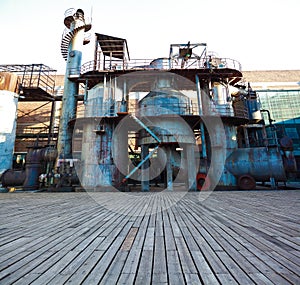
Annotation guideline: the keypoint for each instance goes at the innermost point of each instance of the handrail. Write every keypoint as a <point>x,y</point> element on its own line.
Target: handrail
<point>160,63</point>
<point>70,12</point>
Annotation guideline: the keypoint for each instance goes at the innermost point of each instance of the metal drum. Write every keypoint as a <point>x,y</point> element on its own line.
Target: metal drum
<point>261,163</point>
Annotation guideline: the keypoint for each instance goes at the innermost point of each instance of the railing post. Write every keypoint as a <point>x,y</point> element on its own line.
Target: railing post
<point>32,66</point>
<point>39,76</point>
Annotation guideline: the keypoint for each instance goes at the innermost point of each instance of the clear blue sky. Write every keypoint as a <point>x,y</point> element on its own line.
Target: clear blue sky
<point>261,34</point>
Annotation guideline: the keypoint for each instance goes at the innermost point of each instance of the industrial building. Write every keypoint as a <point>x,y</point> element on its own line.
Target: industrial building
<point>187,120</point>
<point>279,92</point>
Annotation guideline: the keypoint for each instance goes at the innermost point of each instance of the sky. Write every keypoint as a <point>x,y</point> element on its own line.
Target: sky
<point>260,34</point>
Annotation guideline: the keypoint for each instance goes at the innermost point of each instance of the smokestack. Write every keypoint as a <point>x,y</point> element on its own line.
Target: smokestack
<point>71,48</point>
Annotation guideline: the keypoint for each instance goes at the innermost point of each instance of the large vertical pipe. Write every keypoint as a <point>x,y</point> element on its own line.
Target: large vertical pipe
<point>201,102</point>
<point>69,101</point>
<point>120,154</point>
<point>169,169</point>
<point>205,97</point>
<point>200,111</point>
<point>95,53</point>
<point>145,168</point>
<point>191,167</point>
<point>51,123</point>
<point>124,105</point>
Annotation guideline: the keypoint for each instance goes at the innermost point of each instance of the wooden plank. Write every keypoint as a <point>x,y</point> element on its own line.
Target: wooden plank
<point>78,262</point>
<point>48,272</point>
<point>186,259</point>
<point>22,274</point>
<point>175,274</point>
<point>234,269</point>
<point>98,271</point>
<point>226,278</point>
<point>247,237</point>
<point>132,261</point>
<point>85,268</point>
<point>144,271</point>
<point>159,272</point>
<point>112,275</point>
<point>126,278</point>
<point>205,271</point>
<point>238,260</point>
<point>127,244</point>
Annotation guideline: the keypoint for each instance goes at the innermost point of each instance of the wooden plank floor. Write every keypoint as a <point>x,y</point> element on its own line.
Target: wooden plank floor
<point>235,237</point>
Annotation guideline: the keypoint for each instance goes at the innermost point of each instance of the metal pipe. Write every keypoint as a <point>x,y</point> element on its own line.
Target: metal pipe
<point>203,142</point>
<point>95,53</point>
<point>141,162</point>
<point>85,91</point>
<point>124,103</point>
<point>169,169</point>
<point>191,167</point>
<point>145,155</point>
<point>200,110</point>
<point>32,68</point>
<point>51,122</point>
<point>146,128</point>
<point>269,116</point>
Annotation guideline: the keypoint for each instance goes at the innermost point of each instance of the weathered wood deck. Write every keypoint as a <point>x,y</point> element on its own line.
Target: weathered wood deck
<point>229,238</point>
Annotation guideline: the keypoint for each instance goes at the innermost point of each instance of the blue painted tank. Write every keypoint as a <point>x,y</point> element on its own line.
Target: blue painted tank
<point>261,163</point>
<point>168,100</point>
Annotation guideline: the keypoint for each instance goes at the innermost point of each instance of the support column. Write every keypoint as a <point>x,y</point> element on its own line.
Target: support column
<point>191,167</point>
<point>120,155</point>
<point>247,143</point>
<point>205,97</point>
<point>169,169</point>
<point>145,168</point>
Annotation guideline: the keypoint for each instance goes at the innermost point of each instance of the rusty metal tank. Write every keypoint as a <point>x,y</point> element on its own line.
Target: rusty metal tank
<point>13,178</point>
<point>169,100</point>
<point>260,163</point>
<point>164,106</point>
<point>163,110</point>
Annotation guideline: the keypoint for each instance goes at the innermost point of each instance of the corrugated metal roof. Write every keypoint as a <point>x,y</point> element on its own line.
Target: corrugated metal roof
<point>113,46</point>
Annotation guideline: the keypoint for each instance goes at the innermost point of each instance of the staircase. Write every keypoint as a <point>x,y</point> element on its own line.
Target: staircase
<point>68,36</point>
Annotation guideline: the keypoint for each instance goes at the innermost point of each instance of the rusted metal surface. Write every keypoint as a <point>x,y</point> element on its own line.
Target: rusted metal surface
<point>261,163</point>
<point>8,112</point>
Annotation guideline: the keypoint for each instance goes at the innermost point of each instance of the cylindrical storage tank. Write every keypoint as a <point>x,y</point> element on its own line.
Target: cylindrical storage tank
<point>162,111</point>
<point>33,168</point>
<point>220,97</point>
<point>13,178</point>
<point>165,106</point>
<point>220,93</point>
<point>94,106</point>
<point>261,163</point>
<point>254,110</point>
<point>8,119</point>
<point>165,101</point>
<point>160,63</point>
<point>50,154</point>
<point>96,168</point>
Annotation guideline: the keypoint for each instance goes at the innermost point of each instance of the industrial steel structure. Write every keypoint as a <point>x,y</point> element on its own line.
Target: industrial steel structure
<point>187,119</point>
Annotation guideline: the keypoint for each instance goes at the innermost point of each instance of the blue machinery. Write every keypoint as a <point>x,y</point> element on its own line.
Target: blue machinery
<point>187,120</point>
